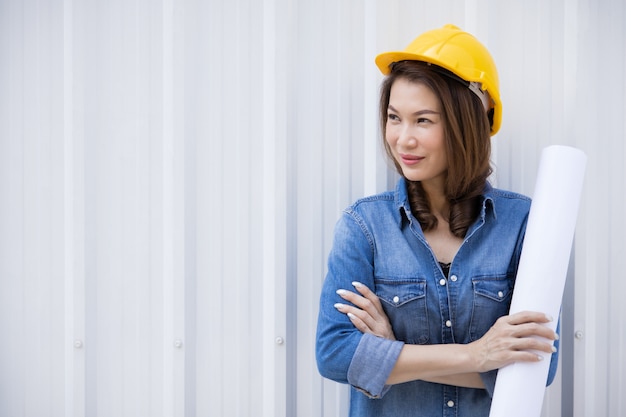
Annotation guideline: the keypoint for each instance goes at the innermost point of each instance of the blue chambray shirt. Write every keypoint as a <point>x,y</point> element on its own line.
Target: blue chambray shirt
<point>380,244</point>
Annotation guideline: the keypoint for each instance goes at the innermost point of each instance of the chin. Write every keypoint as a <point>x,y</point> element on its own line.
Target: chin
<point>411,176</point>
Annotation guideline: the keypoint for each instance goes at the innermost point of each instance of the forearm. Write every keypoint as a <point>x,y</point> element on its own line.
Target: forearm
<point>449,363</point>
<point>513,338</point>
<point>470,380</point>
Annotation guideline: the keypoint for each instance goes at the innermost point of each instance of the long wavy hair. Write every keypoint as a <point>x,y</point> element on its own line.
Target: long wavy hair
<point>466,129</point>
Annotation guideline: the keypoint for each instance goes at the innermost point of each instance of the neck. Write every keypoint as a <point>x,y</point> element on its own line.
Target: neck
<point>439,204</point>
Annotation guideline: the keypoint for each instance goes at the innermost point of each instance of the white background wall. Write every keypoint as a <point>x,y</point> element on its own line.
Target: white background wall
<point>171,172</point>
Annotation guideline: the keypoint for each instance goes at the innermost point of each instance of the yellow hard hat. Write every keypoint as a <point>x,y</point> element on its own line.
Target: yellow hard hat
<point>457,51</point>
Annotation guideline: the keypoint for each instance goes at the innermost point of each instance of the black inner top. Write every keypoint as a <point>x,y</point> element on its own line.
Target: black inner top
<point>445,268</point>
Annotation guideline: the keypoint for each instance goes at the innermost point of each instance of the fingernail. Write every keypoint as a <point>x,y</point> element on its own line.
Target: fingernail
<point>553,349</point>
<point>357,284</point>
<point>539,357</point>
<point>341,292</point>
<point>339,306</point>
<point>549,318</point>
<point>556,336</point>
<point>351,316</point>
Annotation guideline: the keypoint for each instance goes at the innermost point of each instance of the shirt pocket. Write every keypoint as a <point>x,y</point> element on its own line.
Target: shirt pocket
<point>492,299</point>
<point>404,302</point>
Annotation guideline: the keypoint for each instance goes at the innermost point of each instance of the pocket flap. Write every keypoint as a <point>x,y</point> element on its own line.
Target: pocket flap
<point>497,289</point>
<point>397,292</point>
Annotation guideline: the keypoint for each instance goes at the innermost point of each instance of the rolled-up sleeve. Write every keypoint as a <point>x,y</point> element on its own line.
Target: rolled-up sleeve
<point>554,359</point>
<point>372,363</point>
<point>489,379</point>
<point>343,353</point>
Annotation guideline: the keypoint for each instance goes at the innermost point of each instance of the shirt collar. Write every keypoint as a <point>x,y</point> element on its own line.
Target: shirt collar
<point>402,203</point>
<point>401,198</point>
<point>489,203</point>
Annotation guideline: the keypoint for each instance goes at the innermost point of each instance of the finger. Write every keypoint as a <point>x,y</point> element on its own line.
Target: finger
<point>533,343</point>
<point>494,354</point>
<point>528,323</point>
<point>368,310</point>
<point>353,314</point>
<point>359,324</point>
<point>534,330</point>
<point>525,356</point>
<point>366,323</point>
<point>370,295</point>
<point>363,289</point>
<point>527,317</point>
<point>363,317</point>
<point>359,301</point>
<point>531,336</point>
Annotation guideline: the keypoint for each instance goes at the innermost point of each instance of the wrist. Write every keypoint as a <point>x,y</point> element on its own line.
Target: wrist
<point>472,358</point>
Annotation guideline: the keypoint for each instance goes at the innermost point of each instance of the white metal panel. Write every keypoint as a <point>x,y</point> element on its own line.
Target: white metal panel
<point>223,120</point>
<point>13,383</point>
<point>275,381</point>
<point>600,378</point>
<point>31,253</point>
<point>171,174</point>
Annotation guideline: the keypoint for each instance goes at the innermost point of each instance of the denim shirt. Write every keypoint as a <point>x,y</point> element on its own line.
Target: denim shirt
<point>379,243</point>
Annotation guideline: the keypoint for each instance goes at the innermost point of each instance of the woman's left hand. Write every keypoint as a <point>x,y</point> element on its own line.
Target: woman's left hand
<point>367,313</point>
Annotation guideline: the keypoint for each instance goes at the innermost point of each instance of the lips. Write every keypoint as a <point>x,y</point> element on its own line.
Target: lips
<point>410,159</point>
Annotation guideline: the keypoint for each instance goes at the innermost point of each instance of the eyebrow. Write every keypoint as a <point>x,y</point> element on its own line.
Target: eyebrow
<point>417,113</point>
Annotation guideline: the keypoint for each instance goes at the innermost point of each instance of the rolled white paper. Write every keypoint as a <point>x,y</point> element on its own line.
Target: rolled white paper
<point>540,281</point>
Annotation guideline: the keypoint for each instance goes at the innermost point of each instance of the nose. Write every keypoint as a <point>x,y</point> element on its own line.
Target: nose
<point>406,137</point>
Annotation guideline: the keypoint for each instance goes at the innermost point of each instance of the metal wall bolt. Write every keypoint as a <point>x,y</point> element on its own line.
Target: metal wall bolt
<point>578,334</point>
<point>78,344</point>
<point>178,343</point>
<point>280,340</point>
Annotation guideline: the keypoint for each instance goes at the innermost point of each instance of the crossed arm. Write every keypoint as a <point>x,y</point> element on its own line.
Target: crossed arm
<point>512,338</point>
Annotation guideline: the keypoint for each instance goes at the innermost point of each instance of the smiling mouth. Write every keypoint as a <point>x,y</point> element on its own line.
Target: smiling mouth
<point>410,159</point>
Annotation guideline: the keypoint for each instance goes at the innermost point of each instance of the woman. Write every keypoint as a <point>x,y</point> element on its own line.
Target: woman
<point>413,312</point>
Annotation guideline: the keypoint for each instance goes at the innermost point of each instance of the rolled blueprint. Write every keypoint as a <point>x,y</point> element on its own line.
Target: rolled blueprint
<point>540,281</point>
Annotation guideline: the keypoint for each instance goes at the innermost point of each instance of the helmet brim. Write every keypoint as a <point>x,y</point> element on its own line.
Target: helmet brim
<point>383,62</point>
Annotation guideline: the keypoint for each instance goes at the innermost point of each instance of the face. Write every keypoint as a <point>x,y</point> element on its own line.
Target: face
<point>414,132</point>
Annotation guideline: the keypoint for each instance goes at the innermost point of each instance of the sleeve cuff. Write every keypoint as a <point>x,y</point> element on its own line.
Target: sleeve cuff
<point>489,379</point>
<point>372,363</point>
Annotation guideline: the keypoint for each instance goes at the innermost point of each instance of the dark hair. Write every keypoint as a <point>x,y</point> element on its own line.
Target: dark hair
<point>466,129</point>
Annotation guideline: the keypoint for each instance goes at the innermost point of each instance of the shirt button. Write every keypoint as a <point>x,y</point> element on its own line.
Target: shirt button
<point>450,403</point>
<point>396,299</point>
<point>442,281</point>
<point>453,278</point>
<point>500,294</point>
<point>448,323</point>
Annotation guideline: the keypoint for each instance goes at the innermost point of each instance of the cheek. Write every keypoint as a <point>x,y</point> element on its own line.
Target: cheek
<point>389,141</point>
<point>390,135</point>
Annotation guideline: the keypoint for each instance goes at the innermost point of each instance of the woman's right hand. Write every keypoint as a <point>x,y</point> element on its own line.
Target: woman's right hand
<point>513,338</point>
<point>367,312</point>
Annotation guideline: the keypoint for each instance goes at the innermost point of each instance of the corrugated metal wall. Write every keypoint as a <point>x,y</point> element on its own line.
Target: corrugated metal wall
<point>171,172</point>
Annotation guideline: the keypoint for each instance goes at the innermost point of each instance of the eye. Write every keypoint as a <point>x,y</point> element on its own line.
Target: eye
<point>423,120</point>
<point>392,117</point>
